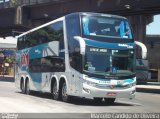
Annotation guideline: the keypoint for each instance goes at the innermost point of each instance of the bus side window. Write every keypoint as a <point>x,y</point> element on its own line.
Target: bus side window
<point>19,43</point>
<point>58,36</point>
<point>27,41</point>
<point>57,31</point>
<point>73,29</point>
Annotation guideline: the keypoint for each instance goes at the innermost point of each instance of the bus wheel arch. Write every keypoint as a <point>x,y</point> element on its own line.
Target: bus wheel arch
<point>54,88</point>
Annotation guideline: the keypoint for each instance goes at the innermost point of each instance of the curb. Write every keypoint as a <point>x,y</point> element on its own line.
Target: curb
<point>144,90</point>
<point>6,79</point>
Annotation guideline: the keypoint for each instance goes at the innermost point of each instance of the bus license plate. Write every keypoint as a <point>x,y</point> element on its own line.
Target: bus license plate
<point>111,94</point>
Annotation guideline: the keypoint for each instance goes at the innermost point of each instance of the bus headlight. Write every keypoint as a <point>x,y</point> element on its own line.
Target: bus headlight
<point>90,83</point>
<point>134,83</point>
<point>131,84</point>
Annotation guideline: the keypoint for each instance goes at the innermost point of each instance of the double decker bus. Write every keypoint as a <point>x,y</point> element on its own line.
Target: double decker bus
<point>88,55</point>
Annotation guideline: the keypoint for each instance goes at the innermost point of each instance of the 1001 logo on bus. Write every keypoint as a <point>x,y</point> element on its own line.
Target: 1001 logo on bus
<point>24,59</point>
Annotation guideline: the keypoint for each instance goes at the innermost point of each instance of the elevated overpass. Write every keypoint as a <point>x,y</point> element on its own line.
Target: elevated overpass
<point>23,15</point>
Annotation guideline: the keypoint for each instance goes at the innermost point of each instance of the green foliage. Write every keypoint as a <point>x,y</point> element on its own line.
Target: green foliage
<point>14,2</point>
<point>46,34</point>
<point>10,59</point>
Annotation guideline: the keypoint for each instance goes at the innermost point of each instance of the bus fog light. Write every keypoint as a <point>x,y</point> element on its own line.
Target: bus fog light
<point>90,83</point>
<point>86,90</point>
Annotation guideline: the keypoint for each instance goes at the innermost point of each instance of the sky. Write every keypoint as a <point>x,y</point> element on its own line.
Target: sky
<point>154,27</point>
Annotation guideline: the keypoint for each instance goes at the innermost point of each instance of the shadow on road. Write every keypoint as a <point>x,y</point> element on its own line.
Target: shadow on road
<point>80,101</point>
<point>89,102</point>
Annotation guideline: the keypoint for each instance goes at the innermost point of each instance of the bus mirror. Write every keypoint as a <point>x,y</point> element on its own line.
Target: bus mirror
<point>143,47</point>
<point>81,43</point>
<point>77,49</point>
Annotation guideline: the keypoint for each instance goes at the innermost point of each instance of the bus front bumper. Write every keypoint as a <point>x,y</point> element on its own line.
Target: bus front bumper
<point>93,92</point>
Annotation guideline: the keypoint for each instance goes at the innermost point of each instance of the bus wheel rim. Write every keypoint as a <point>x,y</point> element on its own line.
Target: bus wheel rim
<point>64,91</point>
<point>55,89</point>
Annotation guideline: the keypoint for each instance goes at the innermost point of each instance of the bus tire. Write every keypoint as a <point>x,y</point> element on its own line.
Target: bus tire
<point>65,97</point>
<point>22,86</point>
<point>27,88</point>
<point>109,100</point>
<point>55,92</point>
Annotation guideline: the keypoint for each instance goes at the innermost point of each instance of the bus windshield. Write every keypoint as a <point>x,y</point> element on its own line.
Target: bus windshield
<point>102,26</point>
<point>109,62</point>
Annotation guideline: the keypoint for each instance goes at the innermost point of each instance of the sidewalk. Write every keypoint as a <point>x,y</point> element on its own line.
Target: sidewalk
<point>150,87</point>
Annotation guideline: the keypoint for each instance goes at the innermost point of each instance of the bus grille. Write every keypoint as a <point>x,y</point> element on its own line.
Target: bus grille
<point>104,86</point>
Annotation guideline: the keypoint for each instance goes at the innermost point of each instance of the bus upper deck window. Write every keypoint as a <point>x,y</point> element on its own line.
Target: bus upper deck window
<point>125,31</point>
<point>85,25</point>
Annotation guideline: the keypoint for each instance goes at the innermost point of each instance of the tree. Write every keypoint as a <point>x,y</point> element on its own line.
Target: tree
<point>14,2</point>
<point>10,59</point>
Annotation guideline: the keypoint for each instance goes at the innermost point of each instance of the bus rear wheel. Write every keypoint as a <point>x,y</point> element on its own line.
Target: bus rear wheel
<point>22,87</point>
<point>109,100</point>
<point>55,91</point>
<point>64,95</point>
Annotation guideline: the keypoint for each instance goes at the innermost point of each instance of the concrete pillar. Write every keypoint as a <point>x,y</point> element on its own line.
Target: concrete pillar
<point>138,23</point>
<point>158,75</point>
<point>18,15</point>
<point>139,26</point>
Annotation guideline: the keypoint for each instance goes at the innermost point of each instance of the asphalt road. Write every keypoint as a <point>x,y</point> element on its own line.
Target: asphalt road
<point>13,101</point>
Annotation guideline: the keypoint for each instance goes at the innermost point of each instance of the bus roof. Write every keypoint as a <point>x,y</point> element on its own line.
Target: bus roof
<point>96,14</point>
